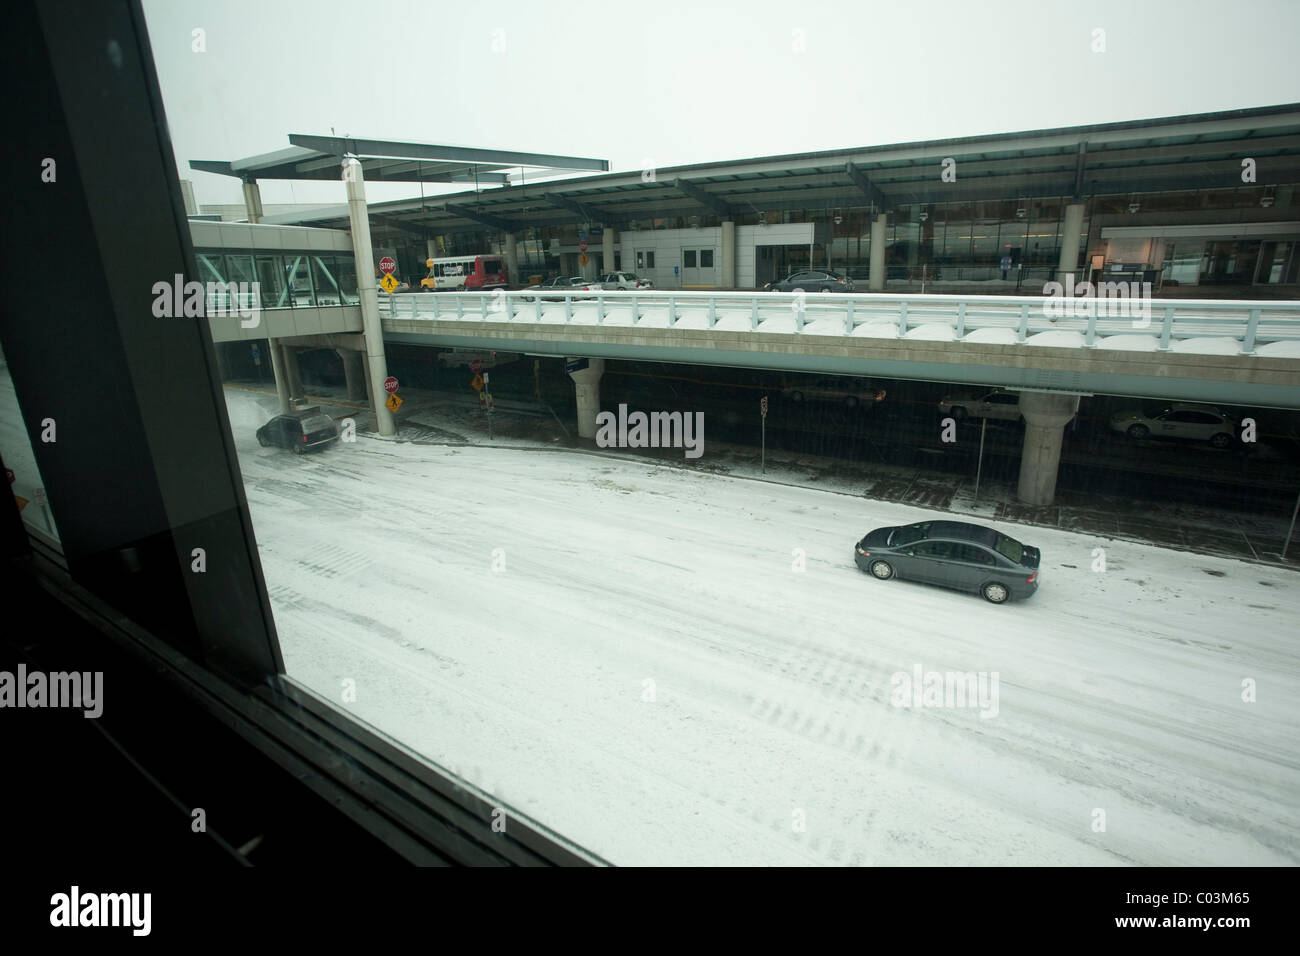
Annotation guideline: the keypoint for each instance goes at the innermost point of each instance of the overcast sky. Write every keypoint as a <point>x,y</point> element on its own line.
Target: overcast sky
<point>692,82</point>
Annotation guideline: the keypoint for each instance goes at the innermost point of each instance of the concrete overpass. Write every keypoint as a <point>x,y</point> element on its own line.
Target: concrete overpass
<point>1240,353</point>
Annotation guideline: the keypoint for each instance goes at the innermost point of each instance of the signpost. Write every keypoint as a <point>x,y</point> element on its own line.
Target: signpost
<point>763,406</point>
<point>476,366</point>
<point>387,266</point>
<point>980,466</point>
<point>388,284</point>
<point>486,399</point>
<point>393,403</point>
<point>390,385</point>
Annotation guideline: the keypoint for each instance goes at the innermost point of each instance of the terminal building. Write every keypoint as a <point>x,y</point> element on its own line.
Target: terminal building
<point>1203,205</point>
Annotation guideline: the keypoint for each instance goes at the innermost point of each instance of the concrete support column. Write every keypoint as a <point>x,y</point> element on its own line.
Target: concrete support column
<point>587,383</point>
<point>366,289</point>
<point>253,201</point>
<point>512,260</point>
<point>607,239</point>
<point>353,374</point>
<point>1046,414</point>
<point>279,374</point>
<point>292,376</point>
<point>876,279</point>
<point>1071,226</point>
<point>727,278</point>
<point>223,364</point>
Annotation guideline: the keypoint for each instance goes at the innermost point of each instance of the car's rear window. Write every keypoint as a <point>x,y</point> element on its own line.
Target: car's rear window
<point>317,423</point>
<point>1009,548</point>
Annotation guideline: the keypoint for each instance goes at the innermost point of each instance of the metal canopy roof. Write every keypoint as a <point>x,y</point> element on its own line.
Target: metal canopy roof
<point>318,157</point>
<point>1162,155</point>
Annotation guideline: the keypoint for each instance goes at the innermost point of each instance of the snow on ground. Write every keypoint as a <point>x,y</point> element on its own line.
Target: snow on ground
<point>651,674</point>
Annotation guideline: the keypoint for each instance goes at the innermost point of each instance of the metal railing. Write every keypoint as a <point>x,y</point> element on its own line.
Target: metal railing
<point>1033,320</point>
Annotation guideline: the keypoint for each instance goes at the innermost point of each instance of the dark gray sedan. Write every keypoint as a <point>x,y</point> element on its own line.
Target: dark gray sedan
<point>954,554</point>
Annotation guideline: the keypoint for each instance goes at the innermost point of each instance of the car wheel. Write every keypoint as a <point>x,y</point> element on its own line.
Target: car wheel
<point>882,570</point>
<point>262,440</point>
<point>1221,440</point>
<point>995,593</point>
<point>1138,431</point>
<point>297,449</point>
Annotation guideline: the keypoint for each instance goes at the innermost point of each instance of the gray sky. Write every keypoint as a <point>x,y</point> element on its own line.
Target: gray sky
<point>693,82</point>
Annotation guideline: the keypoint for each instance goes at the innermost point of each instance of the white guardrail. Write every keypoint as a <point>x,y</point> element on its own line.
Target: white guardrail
<point>1228,327</point>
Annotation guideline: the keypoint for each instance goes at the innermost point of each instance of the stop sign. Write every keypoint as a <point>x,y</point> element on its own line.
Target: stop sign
<point>476,366</point>
<point>582,247</point>
<point>387,266</point>
<point>390,385</point>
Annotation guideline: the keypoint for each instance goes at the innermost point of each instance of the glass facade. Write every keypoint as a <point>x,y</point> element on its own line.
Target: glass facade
<point>286,280</point>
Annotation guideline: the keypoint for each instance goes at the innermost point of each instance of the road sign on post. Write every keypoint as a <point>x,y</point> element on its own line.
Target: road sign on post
<point>393,403</point>
<point>387,266</point>
<point>390,385</point>
<point>476,366</point>
<point>763,406</point>
<point>582,259</point>
<point>388,284</point>
<point>582,247</point>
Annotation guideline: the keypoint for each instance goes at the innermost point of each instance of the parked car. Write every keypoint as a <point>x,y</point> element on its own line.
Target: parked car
<point>953,554</point>
<point>625,280</point>
<point>850,391</point>
<point>996,403</point>
<point>302,430</point>
<point>1188,422</point>
<point>812,281</point>
<point>561,286</point>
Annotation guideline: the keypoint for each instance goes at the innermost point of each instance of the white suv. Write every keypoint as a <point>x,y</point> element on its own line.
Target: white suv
<point>624,280</point>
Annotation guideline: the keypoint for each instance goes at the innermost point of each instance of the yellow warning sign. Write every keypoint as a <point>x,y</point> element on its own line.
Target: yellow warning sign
<point>477,383</point>
<point>388,284</point>
<point>393,403</point>
<point>22,502</point>
<point>582,260</point>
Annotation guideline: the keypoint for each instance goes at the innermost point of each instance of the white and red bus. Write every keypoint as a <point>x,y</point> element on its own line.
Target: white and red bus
<point>465,274</point>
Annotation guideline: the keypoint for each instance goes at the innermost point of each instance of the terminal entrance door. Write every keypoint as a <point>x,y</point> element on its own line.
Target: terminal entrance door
<point>698,266</point>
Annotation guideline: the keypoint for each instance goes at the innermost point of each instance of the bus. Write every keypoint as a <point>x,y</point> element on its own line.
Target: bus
<point>465,274</point>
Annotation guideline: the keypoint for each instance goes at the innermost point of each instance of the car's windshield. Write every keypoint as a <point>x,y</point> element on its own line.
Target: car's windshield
<point>909,534</point>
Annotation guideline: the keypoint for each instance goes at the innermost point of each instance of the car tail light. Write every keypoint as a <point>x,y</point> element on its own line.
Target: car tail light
<point>1032,578</point>
<point>840,281</point>
<point>304,437</point>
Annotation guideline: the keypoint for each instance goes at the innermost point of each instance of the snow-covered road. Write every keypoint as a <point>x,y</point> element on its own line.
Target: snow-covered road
<point>674,667</point>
